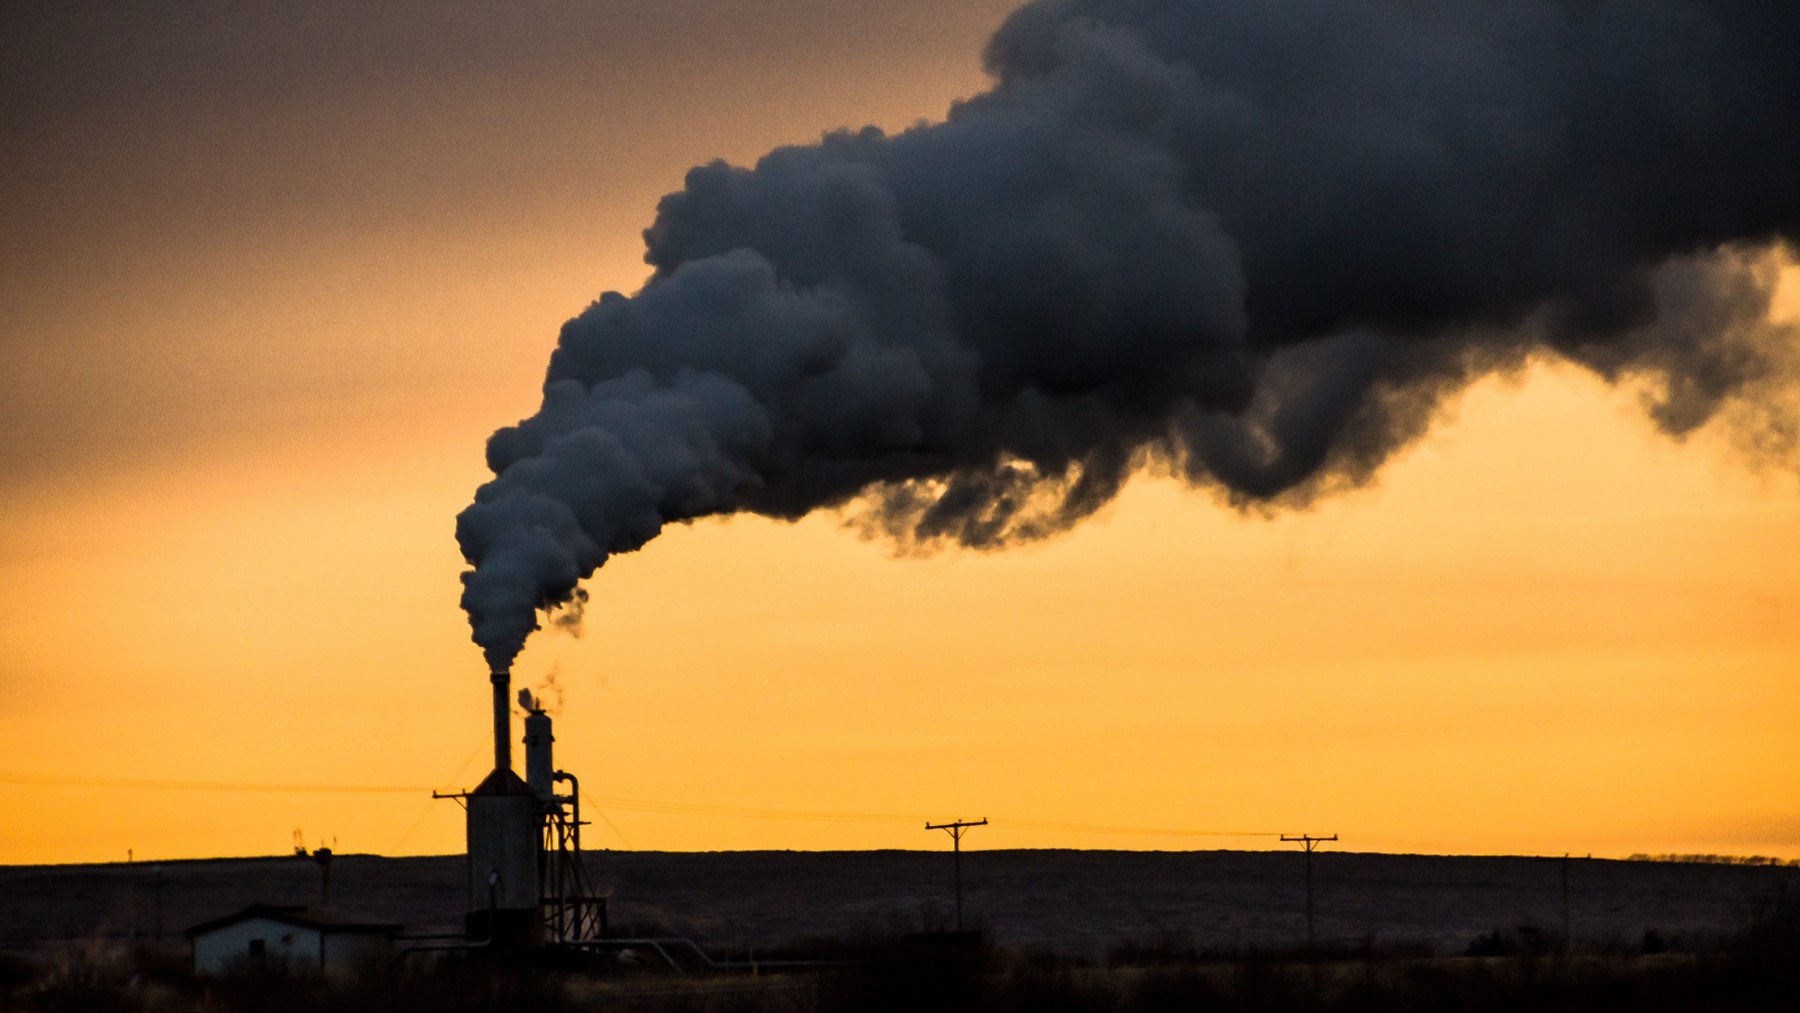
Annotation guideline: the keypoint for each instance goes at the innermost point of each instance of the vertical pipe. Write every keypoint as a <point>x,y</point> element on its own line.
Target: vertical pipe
<point>502,721</point>
<point>575,800</point>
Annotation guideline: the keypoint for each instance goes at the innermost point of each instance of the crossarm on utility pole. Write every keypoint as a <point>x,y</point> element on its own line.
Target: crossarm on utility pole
<point>955,830</point>
<point>1309,842</point>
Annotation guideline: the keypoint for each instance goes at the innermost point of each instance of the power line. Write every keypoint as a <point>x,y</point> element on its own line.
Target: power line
<point>614,827</point>
<point>749,812</point>
<point>55,781</point>
<point>840,816</point>
<point>1048,826</point>
<point>480,744</point>
<point>620,803</point>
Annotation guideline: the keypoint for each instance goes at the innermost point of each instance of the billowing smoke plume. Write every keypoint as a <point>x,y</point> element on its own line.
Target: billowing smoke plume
<point>1249,241</point>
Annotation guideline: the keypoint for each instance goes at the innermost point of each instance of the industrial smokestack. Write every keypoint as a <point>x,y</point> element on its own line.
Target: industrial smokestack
<point>502,720</point>
<point>1254,242</point>
<point>504,843</point>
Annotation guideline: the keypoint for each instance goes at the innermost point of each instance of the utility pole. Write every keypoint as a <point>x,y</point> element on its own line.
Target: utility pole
<point>1566,947</point>
<point>955,830</point>
<point>322,855</point>
<point>1309,842</point>
<point>159,903</point>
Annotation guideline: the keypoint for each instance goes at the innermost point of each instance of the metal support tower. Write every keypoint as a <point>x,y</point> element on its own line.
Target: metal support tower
<point>571,911</point>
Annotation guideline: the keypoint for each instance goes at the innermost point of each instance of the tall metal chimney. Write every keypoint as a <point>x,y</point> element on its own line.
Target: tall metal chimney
<point>505,843</point>
<point>502,721</point>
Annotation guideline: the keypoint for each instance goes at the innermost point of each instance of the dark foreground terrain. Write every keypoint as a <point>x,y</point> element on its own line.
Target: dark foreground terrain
<point>1061,930</point>
<point>1076,904</point>
<point>1756,970</point>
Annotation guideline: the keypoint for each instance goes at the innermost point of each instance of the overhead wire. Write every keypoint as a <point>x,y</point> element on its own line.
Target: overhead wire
<point>1049,826</point>
<point>614,827</point>
<point>60,781</point>
<point>480,745</point>
<point>750,812</point>
<point>601,803</point>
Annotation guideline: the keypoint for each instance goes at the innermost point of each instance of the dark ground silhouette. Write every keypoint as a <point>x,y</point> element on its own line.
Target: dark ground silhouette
<point>1075,904</point>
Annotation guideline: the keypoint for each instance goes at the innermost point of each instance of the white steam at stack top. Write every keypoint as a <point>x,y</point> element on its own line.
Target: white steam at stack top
<point>1253,240</point>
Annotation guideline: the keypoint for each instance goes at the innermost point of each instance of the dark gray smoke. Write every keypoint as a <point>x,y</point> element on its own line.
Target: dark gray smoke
<point>1251,241</point>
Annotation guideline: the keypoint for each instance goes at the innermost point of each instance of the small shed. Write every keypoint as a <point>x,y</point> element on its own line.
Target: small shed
<point>297,939</point>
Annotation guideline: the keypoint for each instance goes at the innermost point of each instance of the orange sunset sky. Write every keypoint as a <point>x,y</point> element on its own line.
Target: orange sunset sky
<point>268,280</point>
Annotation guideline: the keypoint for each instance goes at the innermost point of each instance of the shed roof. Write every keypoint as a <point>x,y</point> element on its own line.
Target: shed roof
<point>320,919</point>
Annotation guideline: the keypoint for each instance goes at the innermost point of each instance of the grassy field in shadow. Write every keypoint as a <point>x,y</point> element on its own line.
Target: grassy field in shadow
<point>1758,968</point>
